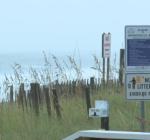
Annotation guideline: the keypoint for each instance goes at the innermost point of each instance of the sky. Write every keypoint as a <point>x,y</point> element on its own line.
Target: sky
<point>65,27</point>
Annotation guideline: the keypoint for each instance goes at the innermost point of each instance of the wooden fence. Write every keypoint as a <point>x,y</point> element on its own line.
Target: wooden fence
<point>35,97</point>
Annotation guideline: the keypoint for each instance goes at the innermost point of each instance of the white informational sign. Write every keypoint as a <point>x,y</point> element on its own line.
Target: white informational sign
<point>137,49</point>
<point>104,105</point>
<point>106,45</point>
<point>137,86</point>
<point>94,112</point>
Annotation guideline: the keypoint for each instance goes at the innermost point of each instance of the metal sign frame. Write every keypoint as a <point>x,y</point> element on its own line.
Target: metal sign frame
<point>106,45</point>
<point>137,46</point>
<point>137,86</point>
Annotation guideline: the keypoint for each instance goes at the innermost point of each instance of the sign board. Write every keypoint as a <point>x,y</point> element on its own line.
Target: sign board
<point>94,112</point>
<point>137,86</point>
<point>137,48</point>
<point>106,45</point>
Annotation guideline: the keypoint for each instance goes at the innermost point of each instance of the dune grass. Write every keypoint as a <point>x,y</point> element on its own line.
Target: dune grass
<point>16,124</point>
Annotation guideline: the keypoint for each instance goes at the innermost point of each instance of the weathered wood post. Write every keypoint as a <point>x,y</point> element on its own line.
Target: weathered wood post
<point>87,82</point>
<point>56,103</point>
<point>88,102</point>
<point>103,56</point>
<point>108,70</point>
<point>11,94</point>
<point>57,87</point>
<point>29,97</point>
<point>74,87</point>
<point>121,70</point>
<point>25,100</point>
<point>98,87</point>
<point>35,94</point>
<point>70,87</point>
<point>41,96</point>
<point>47,98</point>
<point>105,123</point>
<point>92,83</point>
<point>21,95</point>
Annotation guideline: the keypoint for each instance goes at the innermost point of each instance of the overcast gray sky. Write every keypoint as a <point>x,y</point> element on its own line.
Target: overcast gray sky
<point>57,26</point>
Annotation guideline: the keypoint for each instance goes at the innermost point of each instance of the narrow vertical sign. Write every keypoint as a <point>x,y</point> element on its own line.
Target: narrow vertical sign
<point>106,48</point>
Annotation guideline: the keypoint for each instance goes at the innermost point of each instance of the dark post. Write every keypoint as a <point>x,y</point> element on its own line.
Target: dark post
<point>107,70</point>
<point>35,94</point>
<point>47,98</point>
<point>88,102</point>
<point>21,95</point>
<point>142,115</point>
<point>103,56</point>
<point>41,96</point>
<point>98,83</point>
<point>57,87</point>
<point>82,87</point>
<point>102,84</point>
<point>29,98</point>
<point>92,83</point>
<point>115,83</point>
<point>105,123</point>
<point>118,87</point>
<point>25,100</point>
<point>87,82</point>
<point>121,70</point>
<point>56,103</point>
<point>74,86</point>
<point>61,91</point>
<point>95,83</point>
<point>11,94</point>
<point>70,87</point>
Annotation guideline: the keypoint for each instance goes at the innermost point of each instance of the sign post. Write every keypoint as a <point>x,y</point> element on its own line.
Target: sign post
<point>137,64</point>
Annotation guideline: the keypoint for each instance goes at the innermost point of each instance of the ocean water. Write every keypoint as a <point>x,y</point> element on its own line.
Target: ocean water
<point>36,61</point>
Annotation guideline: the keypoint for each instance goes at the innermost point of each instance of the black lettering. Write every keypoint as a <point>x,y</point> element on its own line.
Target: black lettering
<point>147,80</point>
<point>144,94</point>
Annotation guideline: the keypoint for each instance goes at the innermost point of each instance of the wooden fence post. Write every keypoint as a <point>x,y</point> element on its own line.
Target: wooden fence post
<point>92,82</point>
<point>41,96</point>
<point>57,87</point>
<point>21,95</point>
<point>61,90</point>
<point>95,83</point>
<point>70,87</point>
<point>121,70</point>
<point>56,103</point>
<point>35,94</point>
<point>11,94</point>
<point>118,87</point>
<point>88,102</point>
<point>29,98</point>
<point>47,98</point>
<point>74,87</point>
<point>87,82</point>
